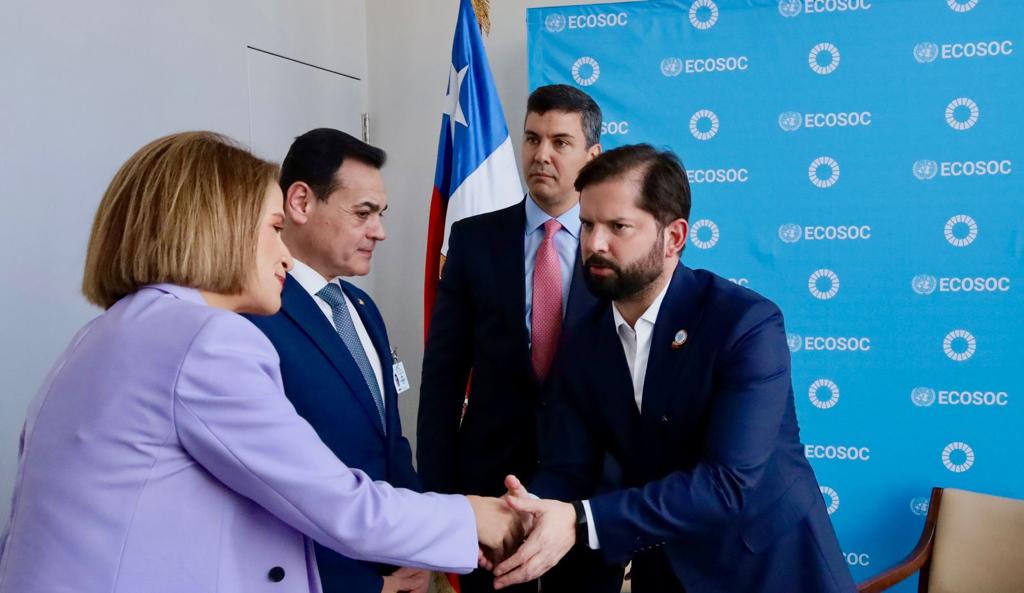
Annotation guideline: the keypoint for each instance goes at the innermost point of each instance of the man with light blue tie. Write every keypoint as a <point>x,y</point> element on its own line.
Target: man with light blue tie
<point>336,362</point>
<point>511,285</point>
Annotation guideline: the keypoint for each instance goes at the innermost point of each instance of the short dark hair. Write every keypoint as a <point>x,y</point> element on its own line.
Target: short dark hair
<point>562,97</point>
<point>317,155</point>
<point>665,189</point>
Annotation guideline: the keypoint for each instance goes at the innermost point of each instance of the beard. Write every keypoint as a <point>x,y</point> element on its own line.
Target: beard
<point>628,281</point>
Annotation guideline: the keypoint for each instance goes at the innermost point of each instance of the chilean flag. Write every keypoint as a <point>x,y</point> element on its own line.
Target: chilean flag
<point>476,167</point>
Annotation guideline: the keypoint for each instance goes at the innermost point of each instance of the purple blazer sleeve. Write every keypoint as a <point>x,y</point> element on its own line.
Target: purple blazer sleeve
<point>231,415</point>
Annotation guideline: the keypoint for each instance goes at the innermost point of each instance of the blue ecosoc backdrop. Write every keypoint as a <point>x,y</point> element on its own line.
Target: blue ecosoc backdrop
<point>856,161</point>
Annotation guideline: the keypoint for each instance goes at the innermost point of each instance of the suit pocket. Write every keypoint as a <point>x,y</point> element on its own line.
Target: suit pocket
<point>782,516</point>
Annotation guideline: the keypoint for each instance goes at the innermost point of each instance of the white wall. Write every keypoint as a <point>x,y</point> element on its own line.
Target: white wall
<point>85,84</point>
<point>409,57</point>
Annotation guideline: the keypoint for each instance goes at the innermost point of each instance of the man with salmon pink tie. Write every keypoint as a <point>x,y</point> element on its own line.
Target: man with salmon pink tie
<point>511,289</point>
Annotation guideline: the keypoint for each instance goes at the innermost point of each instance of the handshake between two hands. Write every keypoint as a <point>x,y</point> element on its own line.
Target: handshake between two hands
<point>522,537</point>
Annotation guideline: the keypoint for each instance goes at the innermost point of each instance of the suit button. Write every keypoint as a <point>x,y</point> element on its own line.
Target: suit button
<point>276,574</point>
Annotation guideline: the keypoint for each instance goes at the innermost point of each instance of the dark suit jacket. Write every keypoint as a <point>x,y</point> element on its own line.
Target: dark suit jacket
<point>479,325</point>
<point>716,480</point>
<point>478,330</point>
<point>323,382</point>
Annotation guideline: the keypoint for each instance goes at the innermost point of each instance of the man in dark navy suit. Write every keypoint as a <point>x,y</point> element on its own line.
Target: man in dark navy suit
<point>336,362</point>
<point>511,283</point>
<point>685,379</point>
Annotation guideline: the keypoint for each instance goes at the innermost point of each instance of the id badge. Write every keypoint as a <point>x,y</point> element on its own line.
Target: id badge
<point>398,372</point>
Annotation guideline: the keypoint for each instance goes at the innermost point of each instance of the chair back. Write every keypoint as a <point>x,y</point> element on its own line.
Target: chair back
<point>979,544</point>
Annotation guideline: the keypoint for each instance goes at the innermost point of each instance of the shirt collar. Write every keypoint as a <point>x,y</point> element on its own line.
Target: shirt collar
<point>307,277</point>
<point>650,315</point>
<point>535,218</point>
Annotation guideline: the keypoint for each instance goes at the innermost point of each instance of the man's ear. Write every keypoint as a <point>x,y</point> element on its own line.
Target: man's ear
<point>676,233</point>
<point>593,151</point>
<point>299,202</point>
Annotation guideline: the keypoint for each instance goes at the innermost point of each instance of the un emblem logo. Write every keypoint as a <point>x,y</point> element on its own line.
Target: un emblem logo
<point>958,457</point>
<point>555,22</point>
<point>925,169</point>
<point>919,506</point>
<point>924,283</point>
<point>790,121</point>
<point>789,8</point>
<point>926,52</point>
<point>794,342</point>
<point>960,230</point>
<point>961,5</point>
<point>790,233</point>
<point>704,240</point>
<point>703,14</point>
<point>823,284</point>
<point>671,67</point>
<point>962,113</point>
<point>580,68</point>
<point>823,58</point>
<point>704,124</point>
<point>922,397</point>
<point>823,172</point>
<point>823,393</point>
<point>959,345</point>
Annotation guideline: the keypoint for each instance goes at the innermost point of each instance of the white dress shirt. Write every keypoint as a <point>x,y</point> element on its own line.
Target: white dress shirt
<point>313,282</point>
<point>636,345</point>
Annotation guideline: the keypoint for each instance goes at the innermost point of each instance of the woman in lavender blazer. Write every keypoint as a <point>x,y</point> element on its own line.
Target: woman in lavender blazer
<point>160,454</point>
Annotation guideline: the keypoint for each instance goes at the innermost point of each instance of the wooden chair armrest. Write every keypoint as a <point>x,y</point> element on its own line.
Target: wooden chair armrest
<point>915,560</point>
<point>908,566</point>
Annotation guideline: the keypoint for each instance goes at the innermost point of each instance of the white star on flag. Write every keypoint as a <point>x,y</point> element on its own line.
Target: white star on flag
<point>454,109</point>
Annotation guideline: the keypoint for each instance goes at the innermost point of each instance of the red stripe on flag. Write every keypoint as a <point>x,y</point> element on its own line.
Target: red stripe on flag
<point>432,269</point>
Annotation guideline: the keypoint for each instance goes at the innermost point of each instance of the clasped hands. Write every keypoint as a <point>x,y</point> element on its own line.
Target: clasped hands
<point>522,537</point>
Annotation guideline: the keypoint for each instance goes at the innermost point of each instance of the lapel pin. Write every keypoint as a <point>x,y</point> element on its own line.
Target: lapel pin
<point>680,339</point>
<point>360,301</point>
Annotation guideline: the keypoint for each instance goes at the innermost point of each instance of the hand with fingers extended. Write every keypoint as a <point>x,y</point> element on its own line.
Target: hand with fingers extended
<point>498,529</point>
<point>516,488</point>
<point>553,533</point>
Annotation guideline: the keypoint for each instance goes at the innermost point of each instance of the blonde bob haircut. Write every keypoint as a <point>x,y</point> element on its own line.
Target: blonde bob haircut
<point>185,210</point>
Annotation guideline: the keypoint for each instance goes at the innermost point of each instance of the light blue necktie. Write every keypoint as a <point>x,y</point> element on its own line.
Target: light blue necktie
<point>347,330</point>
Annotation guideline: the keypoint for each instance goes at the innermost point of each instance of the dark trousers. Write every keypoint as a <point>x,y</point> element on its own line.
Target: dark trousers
<point>652,573</point>
<point>482,581</point>
<point>580,571</point>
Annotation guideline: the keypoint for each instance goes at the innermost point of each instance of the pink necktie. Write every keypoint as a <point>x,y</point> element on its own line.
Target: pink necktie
<point>546,316</point>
